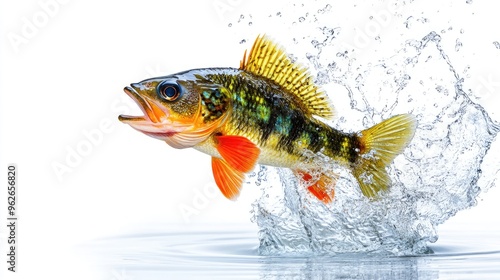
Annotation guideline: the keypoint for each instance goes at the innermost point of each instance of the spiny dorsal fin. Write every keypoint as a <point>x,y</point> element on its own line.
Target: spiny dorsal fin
<point>268,60</point>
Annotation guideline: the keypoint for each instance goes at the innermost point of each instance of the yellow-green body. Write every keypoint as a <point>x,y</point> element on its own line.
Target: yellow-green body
<point>270,117</point>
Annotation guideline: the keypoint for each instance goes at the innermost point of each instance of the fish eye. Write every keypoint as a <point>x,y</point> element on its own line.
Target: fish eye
<point>169,91</point>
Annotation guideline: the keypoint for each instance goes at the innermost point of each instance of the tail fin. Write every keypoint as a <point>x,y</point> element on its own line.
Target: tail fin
<point>380,144</point>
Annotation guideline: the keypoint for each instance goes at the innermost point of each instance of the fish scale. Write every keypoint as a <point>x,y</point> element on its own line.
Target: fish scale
<point>284,120</point>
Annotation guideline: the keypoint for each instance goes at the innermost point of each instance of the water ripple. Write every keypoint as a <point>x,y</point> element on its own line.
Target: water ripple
<point>229,253</point>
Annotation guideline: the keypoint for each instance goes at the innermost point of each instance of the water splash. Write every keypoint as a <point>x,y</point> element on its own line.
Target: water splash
<point>444,169</point>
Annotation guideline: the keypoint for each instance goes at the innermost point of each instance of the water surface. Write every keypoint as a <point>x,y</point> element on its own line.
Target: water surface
<point>231,252</point>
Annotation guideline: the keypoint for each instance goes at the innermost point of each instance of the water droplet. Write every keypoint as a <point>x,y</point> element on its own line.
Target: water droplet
<point>414,43</point>
<point>468,1</point>
<point>466,69</point>
<point>250,23</point>
<point>496,44</point>
<point>366,123</point>
<point>458,45</point>
<point>328,31</point>
<point>432,36</point>
<point>408,22</point>
<point>301,19</point>
<point>359,78</point>
<point>243,41</point>
<point>229,25</point>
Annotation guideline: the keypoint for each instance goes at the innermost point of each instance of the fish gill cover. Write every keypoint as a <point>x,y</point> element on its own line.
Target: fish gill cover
<point>449,162</point>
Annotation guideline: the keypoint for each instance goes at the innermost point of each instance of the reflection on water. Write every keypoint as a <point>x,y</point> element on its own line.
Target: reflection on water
<point>231,253</point>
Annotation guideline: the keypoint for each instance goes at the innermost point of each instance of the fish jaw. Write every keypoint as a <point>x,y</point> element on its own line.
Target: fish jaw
<point>153,112</point>
<point>155,122</point>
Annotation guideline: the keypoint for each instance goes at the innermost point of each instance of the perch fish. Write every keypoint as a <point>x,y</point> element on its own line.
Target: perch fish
<point>268,111</point>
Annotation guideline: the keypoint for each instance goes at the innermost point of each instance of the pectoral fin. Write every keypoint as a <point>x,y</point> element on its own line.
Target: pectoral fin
<point>239,152</point>
<point>239,156</point>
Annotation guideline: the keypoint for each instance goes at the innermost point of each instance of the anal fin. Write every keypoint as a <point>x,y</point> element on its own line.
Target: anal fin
<point>323,188</point>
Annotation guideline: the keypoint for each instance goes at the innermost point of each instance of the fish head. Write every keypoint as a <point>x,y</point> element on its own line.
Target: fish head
<point>181,110</point>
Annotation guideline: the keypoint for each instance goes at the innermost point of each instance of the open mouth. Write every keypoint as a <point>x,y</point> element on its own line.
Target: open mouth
<point>155,122</point>
<point>152,112</point>
<point>161,123</point>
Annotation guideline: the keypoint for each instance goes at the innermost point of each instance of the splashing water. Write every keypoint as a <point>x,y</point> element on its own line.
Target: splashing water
<point>446,166</point>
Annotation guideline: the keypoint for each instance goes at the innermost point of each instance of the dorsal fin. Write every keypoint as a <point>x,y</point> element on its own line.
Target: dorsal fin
<point>266,59</point>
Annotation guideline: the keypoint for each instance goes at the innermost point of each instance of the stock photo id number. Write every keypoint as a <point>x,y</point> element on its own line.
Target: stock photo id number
<point>11,218</point>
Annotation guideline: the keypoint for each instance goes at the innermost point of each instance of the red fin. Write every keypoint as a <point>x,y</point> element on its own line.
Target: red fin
<point>238,151</point>
<point>323,188</point>
<point>228,179</point>
<point>320,194</point>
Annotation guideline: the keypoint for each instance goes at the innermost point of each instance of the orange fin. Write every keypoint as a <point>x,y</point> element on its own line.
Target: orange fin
<point>228,179</point>
<point>239,152</point>
<point>319,193</point>
<point>322,188</point>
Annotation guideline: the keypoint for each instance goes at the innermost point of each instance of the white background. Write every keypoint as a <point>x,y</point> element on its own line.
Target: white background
<point>62,79</point>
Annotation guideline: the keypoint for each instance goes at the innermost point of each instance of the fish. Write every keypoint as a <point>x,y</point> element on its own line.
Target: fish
<point>270,112</point>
